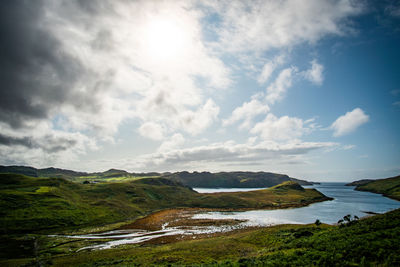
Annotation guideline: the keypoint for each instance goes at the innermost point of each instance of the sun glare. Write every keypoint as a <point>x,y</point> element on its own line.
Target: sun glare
<point>165,39</point>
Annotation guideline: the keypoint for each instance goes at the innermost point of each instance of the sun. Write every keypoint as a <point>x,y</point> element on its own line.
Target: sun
<point>165,39</point>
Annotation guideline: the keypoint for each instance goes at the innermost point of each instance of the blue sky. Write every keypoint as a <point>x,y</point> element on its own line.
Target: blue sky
<point>306,88</point>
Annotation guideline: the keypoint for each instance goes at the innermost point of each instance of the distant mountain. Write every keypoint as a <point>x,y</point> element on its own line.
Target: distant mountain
<point>111,173</point>
<point>231,179</point>
<point>359,182</point>
<point>28,171</point>
<point>194,179</point>
<point>68,174</point>
<point>47,172</point>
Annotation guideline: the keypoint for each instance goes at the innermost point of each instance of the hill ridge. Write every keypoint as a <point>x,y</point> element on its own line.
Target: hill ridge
<point>234,179</point>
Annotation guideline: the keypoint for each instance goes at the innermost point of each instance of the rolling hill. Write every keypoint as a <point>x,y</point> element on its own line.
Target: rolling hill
<point>232,179</point>
<point>389,187</point>
<point>194,179</point>
<point>31,204</point>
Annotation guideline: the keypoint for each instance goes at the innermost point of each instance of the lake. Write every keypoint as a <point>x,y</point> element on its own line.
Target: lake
<point>346,201</point>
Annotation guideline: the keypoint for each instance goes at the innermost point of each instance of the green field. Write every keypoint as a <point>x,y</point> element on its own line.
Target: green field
<point>37,204</point>
<point>372,241</point>
<point>389,187</point>
<point>33,207</point>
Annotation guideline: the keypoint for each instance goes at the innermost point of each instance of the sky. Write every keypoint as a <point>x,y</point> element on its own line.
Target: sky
<point>306,88</point>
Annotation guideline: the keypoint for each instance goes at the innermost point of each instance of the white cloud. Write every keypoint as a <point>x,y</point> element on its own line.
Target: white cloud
<point>151,130</point>
<point>247,112</point>
<point>348,147</point>
<point>397,103</point>
<point>349,122</point>
<point>172,143</point>
<point>269,68</point>
<point>195,122</point>
<point>262,25</point>
<point>228,154</point>
<point>277,90</point>
<point>315,73</point>
<point>148,61</point>
<point>283,128</point>
<point>113,68</point>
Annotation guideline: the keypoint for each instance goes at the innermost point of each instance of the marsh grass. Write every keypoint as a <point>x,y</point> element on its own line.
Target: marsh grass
<point>372,241</point>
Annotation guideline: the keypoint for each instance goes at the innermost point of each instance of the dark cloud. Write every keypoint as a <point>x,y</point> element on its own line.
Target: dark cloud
<point>11,141</point>
<point>37,73</point>
<point>55,145</point>
<point>48,143</point>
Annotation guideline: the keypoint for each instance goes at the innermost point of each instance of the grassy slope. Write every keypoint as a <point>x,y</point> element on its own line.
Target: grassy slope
<point>31,204</point>
<point>286,194</point>
<point>389,187</point>
<point>373,240</point>
<point>231,179</point>
<point>195,179</point>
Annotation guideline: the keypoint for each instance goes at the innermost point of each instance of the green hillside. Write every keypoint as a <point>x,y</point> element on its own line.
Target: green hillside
<point>373,241</point>
<point>389,187</point>
<point>29,204</point>
<point>359,182</point>
<point>112,174</point>
<point>32,204</point>
<point>195,179</point>
<point>231,179</point>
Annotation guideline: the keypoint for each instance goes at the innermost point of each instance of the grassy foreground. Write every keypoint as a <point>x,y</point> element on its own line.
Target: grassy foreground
<point>33,207</point>
<point>389,187</point>
<point>372,241</point>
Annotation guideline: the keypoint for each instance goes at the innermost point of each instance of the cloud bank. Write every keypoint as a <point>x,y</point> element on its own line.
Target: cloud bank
<point>74,71</point>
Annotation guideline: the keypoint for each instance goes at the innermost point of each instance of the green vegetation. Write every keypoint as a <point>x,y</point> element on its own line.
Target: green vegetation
<point>373,241</point>
<point>359,182</point>
<point>287,194</point>
<point>30,204</point>
<point>195,179</point>
<point>110,175</point>
<point>34,204</point>
<point>33,207</point>
<point>231,179</point>
<point>389,187</point>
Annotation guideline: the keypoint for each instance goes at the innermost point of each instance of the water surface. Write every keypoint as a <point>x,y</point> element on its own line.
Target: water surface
<point>219,190</point>
<point>346,201</point>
